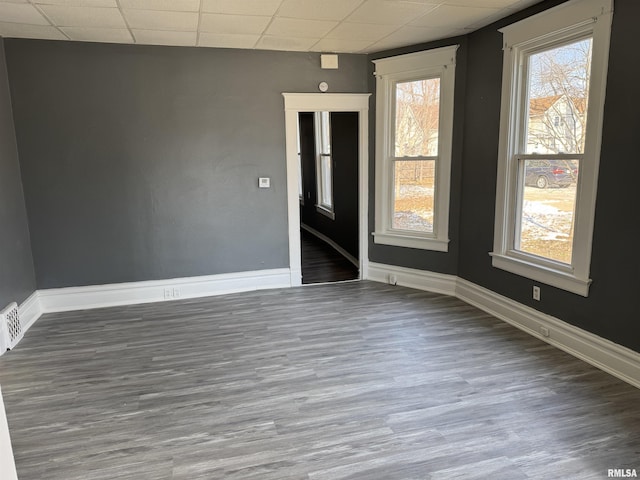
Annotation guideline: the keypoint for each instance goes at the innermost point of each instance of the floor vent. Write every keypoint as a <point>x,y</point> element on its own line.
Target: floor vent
<point>10,327</point>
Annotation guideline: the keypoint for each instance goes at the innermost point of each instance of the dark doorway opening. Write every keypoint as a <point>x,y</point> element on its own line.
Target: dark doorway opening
<point>328,151</point>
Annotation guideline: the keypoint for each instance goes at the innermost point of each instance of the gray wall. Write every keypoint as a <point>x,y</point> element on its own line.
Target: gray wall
<point>17,280</point>
<point>440,262</point>
<point>611,310</point>
<point>142,162</point>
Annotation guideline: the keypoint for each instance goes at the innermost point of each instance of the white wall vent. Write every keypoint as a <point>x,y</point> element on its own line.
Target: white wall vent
<point>10,328</point>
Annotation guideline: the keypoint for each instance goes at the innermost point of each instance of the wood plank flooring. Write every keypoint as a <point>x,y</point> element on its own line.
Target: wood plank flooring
<point>321,263</point>
<point>346,381</point>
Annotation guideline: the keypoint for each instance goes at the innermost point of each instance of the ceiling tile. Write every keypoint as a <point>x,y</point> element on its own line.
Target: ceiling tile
<point>164,37</point>
<point>525,3</point>
<point>168,5</point>
<point>318,10</point>
<point>108,35</point>
<point>19,30</point>
<point>286,43</point>
<point>297,27</point>
<point>389,13</point>
<point>451,16</point>
<point>483,3</point>
<point>361,31</point>
<point>490,19</point>
<point>413,36</point>
<point>236,24</point>
<point>227,41</point>
<point>21,13</point>
<point>241,7</point>
<point>157,20</point>
<point>341,46</point>
<point>87,17</point>
<point>79,3</point>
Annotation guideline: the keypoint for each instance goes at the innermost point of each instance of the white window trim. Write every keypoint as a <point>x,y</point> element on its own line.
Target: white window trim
<point>441,63</point>
<point>554,25</point>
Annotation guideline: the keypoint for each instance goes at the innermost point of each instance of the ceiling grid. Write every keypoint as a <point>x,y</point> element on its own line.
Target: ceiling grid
<point>340,26</point>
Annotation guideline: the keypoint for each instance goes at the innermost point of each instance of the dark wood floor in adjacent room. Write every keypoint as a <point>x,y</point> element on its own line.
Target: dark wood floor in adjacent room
<point>321,263</point>
<point>351,381</point>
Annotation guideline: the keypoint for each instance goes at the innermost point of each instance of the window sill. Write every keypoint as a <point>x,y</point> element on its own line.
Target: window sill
<point>411,241</point>
<point>325,212</point>
<point>555,278</point>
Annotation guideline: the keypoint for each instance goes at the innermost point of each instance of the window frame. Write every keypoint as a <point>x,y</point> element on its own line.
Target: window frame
<point>554,27</point>
<point>300,168</point>
<point>435,63</point>
<point>319,128</point>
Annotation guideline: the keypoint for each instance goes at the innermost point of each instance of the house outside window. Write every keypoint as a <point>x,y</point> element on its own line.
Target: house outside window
<point>414,126</point>
<point>554,77</point>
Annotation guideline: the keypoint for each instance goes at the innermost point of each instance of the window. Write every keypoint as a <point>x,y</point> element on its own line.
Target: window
<point>324,175</point>
<point>554,77</point>
<point>413,148</point>
<point>300,179</point>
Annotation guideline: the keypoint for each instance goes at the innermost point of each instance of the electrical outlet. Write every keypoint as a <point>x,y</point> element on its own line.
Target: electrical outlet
<point>393,280</point>
<point>167,293</point>
<point>544,331</point>
<point>536,292</point>
<point>176,293</point>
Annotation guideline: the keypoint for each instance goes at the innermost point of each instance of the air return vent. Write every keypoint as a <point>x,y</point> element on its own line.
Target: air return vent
<point>10,327</point>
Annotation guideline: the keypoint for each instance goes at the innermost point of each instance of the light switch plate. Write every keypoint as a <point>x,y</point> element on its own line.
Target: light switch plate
<point>264,182</point>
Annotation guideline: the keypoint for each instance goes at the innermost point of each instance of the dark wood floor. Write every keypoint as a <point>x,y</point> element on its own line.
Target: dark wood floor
<point>321,263</point>
<point>345,381</point>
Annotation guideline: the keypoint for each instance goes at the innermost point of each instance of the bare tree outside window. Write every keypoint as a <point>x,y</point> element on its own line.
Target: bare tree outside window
<point>558,86</point>
<point>417,116</point>
<point>558,95</point>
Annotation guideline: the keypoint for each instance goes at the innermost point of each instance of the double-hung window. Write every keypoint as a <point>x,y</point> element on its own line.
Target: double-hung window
<point>324,170</point>
<point>300,179</point>
<point>414,124</point>
<point>554,77</point>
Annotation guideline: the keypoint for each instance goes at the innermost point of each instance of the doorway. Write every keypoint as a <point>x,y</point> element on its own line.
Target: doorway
<point>328,192</point>
<point>324,102</point>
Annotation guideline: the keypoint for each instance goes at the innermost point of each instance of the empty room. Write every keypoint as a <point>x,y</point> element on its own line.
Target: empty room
<point>319,239</point>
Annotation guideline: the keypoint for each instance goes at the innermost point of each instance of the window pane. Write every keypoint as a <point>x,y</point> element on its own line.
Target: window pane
<point>548,207</point>
<point>413,195</point>
<point>325,133</point>
<point>417,116</point>
<point>325,178</point>
<point>300,193</point>
<point>558,86</point>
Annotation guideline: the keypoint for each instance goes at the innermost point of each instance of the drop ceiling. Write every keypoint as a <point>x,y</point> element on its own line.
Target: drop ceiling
<point>355,26</point>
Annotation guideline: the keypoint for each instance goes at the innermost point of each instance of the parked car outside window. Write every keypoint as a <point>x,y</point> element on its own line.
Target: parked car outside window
<point>550,173</point>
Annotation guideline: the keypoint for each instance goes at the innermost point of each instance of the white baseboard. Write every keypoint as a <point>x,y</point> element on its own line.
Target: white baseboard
<point>331,243</point>
<point>7,464</point>
<point>599,352</point>
<point>413,278</point>
<point>98,296</point>
<point>604,354</point>
<point>30,311</point>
